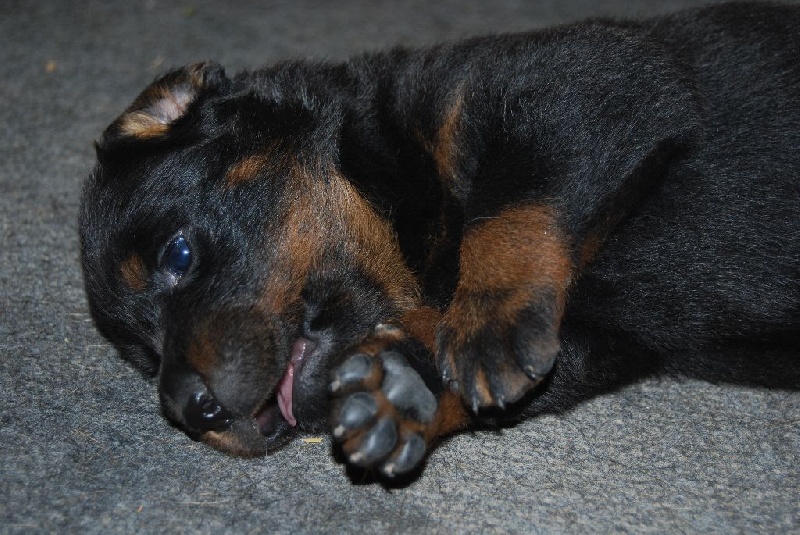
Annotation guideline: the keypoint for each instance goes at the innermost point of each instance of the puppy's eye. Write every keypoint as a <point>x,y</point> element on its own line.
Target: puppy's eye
<point>178,257</point>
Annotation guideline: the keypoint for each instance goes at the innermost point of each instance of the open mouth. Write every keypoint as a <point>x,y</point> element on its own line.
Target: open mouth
<point>281,406</point>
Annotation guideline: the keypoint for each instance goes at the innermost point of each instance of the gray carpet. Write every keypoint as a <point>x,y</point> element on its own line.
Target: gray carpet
<point>83,447</point>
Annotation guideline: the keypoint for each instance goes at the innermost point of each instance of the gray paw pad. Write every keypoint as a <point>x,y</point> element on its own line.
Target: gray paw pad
<point>353,370</point>
<point>405,389</point>
<point>377,443</point>
<point>358,410</point>
<point>407,458</point>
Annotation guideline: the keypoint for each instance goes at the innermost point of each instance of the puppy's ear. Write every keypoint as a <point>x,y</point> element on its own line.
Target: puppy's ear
<point>164,102</point>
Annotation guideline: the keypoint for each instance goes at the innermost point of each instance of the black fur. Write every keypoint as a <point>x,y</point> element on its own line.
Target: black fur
<point>668,151</point>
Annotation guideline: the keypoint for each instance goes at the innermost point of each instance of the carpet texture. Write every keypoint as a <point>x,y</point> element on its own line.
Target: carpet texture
<point>82,442</point>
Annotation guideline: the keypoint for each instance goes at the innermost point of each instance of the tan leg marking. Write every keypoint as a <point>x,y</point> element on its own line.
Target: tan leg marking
<point>514,255</point>
<point>514,272</point>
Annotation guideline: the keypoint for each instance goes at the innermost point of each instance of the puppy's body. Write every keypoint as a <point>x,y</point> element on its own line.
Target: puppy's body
<point>533,218</point>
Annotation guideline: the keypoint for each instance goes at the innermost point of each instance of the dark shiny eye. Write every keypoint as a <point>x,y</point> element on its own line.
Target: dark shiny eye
<point>178,257</point>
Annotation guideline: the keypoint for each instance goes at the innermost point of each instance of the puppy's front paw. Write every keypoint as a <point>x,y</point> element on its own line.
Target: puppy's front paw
<point>500,335</point>
<point>497,359</point>
<point>384,414</point>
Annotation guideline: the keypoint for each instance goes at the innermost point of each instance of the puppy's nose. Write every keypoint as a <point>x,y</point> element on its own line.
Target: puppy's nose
<point>204,413</point>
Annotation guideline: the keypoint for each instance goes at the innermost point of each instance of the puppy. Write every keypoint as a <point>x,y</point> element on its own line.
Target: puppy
<point>394,247</point>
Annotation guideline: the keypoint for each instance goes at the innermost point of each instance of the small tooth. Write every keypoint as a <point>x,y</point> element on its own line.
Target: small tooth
<point>339,431</point>
<point>335,385</point>
<point>356,457</point>
<point>388,469</point>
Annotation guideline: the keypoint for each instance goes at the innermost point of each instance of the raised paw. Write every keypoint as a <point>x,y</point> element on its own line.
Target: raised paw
<point>384,415</point>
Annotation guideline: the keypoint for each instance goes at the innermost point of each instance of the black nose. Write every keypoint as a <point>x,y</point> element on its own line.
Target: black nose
<point>203,413</point>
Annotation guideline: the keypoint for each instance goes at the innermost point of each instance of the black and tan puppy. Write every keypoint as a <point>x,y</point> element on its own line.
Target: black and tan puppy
<point>391,247</point>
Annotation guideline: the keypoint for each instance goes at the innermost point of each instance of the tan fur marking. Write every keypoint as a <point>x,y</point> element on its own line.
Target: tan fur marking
<point>160,104</point>
<point>378,341</point>
<point>451,416</point>
<point>250,167</point>
<point>157,108</point>
<point>141,125</point>
<point>202,354</point>
<point>482,386</point>
<point>515,255</point>
<point>521,245</point>
<point>421,324</point>
<point>133,272</point>
<point>228,442</point>
<point>371,239</point>
<point>325,215</point>
<point>246,169</point>
<point>445,146</point>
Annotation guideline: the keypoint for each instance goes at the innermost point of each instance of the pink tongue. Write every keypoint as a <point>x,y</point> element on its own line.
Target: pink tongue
<point>300,348</point>
<point>285,395</point>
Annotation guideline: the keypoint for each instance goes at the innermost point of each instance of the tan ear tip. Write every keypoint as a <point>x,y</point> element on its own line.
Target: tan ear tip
<point>165,101</point>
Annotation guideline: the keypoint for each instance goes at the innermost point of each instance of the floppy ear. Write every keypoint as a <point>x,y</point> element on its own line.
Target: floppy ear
<point>165,101</point>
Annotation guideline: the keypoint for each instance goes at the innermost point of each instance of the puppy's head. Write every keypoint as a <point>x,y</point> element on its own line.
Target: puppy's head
<point>224,251</point>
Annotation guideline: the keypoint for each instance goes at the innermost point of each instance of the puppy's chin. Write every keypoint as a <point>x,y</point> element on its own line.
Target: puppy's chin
<point>251,438</point>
